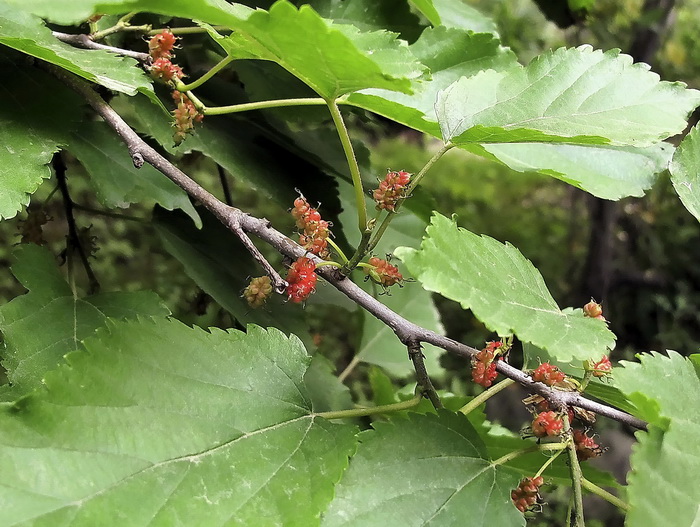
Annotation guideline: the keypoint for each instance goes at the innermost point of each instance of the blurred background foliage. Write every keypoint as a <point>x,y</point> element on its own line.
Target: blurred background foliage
<point>652,299</point>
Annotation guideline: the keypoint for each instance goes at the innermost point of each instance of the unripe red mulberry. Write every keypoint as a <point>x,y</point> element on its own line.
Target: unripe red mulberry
<point>548,374</point>
<point>315,231</point>
<point>382,272</point>
<point>547,424</point>
<point>484,365</point>
<point>301,279</point>
<point>602,368</point>
<point>164,70</point>
<point>391,189</point>
<point>161,45</point>
<point>586,447</point>
<point>527,493</point>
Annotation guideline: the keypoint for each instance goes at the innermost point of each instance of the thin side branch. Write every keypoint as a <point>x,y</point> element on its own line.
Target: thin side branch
<point>404,329</point>
<point>73,237</point>
<point>415,353</point>
<point>83,41</point>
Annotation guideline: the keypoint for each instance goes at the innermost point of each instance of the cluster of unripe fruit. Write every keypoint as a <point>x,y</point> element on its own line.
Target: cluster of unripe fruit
<point>160,48</point>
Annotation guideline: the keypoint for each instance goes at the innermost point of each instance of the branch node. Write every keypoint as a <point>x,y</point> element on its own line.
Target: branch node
<point>427,389</point>
<point>137,159</point>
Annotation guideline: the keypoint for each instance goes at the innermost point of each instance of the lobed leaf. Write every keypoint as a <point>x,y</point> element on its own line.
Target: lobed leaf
<point>40,327</point>
<point>665,463</point>
<point>685,172</point>
<point>503,290</point>
<point>227,437</point>
<point>440,475</point>
<point>27,33</point>
<point>449,53</point>
<point>117,182</point>
<point>333,59</point>
<point>569,95</point>
<point>455,14</point>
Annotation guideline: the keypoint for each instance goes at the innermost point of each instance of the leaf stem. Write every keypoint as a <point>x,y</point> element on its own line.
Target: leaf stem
<point>344,136</point>
<point>414,183</point>
<point>261,105</point>
<point>362,412</point>
<point>182,87</point>
<point>545,447</point>
<point>328,263</point>
<point>188,30</point>
<point>338,250</point>
<point>121,25</point>
<point>348,369</point>
<point>485,395</point>
<point>110,214</point>
<point>576,475</point>
<point>546,464</point>
<point>598,491</point>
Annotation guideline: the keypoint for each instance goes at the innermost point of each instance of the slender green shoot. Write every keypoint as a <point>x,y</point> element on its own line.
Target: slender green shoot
<point>485,395</point>
<point>362,412</point>
<point>182,87</point>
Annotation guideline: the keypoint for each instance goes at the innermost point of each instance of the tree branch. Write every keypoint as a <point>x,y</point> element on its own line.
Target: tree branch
<point>85,41</point>
<point>234,218</point>
<point>427,389</point>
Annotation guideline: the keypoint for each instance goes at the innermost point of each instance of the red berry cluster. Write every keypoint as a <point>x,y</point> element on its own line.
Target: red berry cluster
<point>315,231</point>
<point>547,424</point>
<point>548,374</point>
<point>602,368</point>
<point>258,291</point>
<point>383,273</point>
<point>161,45</point>
<point>544,406</point>
<point>593,310</point>
<point>586,447</point>
<point>301,279</point>
<point>483,365</point>
<point>391,190</point>
<point>160,48</point>
<point>527,493</point>
<point>164,70</point>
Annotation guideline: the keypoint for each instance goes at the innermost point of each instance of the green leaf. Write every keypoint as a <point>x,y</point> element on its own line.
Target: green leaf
<point>568,95</point>
<point>226,438</point>
<point>35,120</point>
<point>609,172</point>
<point>449,54</point>
<point>27,33</point>
<point>219,264</point>
<point>665,463</point>
<point>117,182</point>
<point>440,475</point>
<point>326,391</point>
<point>39,328</point>
<point>75,11</point>
<point>457,14</point>
<point>333,59</point>
<point>685,172</point>
<point>503,290</point>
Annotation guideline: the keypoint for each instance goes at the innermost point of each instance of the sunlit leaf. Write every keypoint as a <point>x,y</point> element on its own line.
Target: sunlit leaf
<point>685,172</point>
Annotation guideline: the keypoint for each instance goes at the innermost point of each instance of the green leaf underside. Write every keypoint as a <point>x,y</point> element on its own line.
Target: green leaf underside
<point>440,475</point>
<point>455,15</point>
<point>117,182</point>
<point>573,95</point>
<point>665,463</point>
<point>27,33</point>
<point>609,172</point>
<point>449,54</point>
<point>685,172</point>
<point>333,59</point>
<point>227,438</point>
<point>40,327</point>
<point>503,290</point>
<point>33,124</point>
